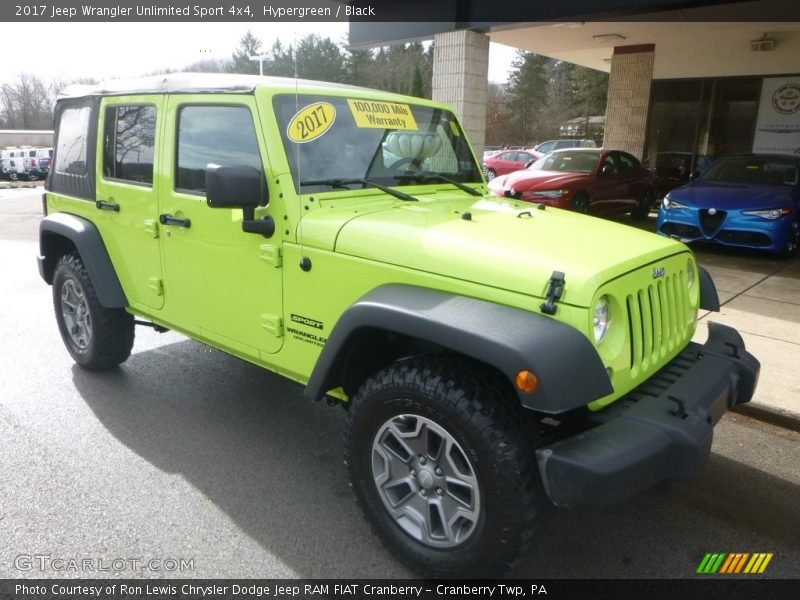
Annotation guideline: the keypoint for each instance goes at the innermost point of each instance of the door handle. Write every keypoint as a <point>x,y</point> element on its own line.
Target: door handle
<point>167,219</point>
<point>103,205</point>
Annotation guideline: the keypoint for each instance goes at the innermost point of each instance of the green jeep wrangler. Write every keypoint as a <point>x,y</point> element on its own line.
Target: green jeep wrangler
<point>494,357</point>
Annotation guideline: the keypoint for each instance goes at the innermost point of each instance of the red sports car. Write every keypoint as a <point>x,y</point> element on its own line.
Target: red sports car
<point>586,180</point>
<point>506,161</point>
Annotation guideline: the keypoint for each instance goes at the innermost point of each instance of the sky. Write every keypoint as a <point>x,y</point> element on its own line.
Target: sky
<point>106,50</point>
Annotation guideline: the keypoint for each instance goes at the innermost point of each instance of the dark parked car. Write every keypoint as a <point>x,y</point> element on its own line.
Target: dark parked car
<point>506,162</point>
<point>586,180</point>
<point>750,200</point>
<point>674,168</point>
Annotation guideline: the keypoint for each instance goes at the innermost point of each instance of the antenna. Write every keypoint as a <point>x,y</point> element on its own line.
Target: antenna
<point>305,262</point>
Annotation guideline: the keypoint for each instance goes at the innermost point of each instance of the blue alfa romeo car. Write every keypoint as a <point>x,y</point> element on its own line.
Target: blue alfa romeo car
<point>750,201</point>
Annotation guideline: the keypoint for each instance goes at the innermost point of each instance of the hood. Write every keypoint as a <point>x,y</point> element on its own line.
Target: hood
<point>732,196</point>
<point>507,245</point>
<point>523,181</point>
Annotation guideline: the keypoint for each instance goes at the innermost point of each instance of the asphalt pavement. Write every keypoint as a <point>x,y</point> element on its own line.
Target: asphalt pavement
<point>187,453</point>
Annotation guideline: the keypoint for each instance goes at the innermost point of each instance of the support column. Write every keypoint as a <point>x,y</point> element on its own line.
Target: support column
<point>460,79</point>
<point>629,98</point>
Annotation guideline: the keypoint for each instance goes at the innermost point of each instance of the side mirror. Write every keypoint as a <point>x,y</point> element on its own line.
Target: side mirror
<point>607,170</point>
<point>240,187</point>
<point>694,175</point>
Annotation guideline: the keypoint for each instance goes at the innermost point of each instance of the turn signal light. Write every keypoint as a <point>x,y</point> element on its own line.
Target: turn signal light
<point>526,381</point>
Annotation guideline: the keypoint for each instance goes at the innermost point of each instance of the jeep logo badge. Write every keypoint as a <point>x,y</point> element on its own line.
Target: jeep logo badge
<point>659,272</point>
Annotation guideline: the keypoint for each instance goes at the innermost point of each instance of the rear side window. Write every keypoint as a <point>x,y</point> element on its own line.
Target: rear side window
<point>220,135</point>
<point>73,132</point>
<point>128,142</point>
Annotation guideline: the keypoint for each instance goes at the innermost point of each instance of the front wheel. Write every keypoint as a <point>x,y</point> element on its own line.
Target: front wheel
<point>490,174</point>
<point>581,204</point>
<point>443,467</point>
<point>792,240</point>
<point>97,338</point>
<point>642,209</point>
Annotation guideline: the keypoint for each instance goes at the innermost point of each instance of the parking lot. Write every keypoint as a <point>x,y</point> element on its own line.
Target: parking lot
<point>187,453</point>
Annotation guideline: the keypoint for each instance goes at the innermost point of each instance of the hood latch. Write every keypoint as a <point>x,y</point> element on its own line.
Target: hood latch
<point>555,288</point>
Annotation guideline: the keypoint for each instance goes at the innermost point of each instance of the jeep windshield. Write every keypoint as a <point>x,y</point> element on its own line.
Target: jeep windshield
<point>371,143</point>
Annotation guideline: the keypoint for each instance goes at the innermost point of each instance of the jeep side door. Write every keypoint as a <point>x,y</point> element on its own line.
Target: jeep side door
<point>127,194</point>
<point>221,284</point>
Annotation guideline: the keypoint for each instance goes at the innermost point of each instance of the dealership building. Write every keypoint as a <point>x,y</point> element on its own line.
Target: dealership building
<point>696,78</point>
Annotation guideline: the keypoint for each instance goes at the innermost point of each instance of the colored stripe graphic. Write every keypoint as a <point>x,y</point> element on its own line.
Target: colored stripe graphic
<point>732,563</point>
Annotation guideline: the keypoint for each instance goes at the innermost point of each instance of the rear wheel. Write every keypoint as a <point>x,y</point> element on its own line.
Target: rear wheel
<point>443,467</point>
<point>642,209</point>
<point>98,338</point>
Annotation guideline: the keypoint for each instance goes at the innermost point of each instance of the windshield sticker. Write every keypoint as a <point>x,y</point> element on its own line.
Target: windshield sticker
<point>311,122</point>
<point>382,115</point>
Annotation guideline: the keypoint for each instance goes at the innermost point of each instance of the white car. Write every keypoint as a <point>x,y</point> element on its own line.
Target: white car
<point>547,147</point>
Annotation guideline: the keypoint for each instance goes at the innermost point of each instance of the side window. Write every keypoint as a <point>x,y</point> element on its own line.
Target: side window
<point>627,162</point>
<point>73,132</point>
<point>220,135</point>
<point>128,141</point>
<point>524,157</point>
<point>508,156</point>
<point>609,161</point>
<point>546,148</point>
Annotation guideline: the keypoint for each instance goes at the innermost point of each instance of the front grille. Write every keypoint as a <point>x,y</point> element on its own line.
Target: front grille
<point>657,319</point>
<point>712,223</point>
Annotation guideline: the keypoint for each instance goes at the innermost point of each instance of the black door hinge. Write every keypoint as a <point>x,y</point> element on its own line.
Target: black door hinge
<point>555,288</point>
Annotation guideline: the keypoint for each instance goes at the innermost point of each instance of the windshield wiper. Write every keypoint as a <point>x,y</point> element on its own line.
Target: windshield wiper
<point>423,177</point>
<point>343,183</point>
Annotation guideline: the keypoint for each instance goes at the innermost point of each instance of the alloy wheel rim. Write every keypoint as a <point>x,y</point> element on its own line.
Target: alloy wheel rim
<point>794,236</point>
<point>426,481</point>
<point>75,312</point>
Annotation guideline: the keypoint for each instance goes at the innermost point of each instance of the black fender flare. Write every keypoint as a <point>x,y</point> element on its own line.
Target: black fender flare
<point>88,242</point>
<point>570,372</point>
<point>709,299</point>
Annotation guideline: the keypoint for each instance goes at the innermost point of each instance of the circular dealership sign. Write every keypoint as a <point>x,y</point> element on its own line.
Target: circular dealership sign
<point>786,99</point>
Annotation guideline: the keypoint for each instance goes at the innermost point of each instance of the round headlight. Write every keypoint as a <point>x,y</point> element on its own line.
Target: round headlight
<point>689,273</point>
<point>601,319</point>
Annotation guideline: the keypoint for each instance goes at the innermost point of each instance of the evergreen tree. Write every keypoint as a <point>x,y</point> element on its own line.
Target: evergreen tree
<point>249,46</point>
<point>526,92</point>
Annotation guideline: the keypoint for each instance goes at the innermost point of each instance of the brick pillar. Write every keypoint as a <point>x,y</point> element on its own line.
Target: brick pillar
<point>629,98</point>
<point>460,79</point>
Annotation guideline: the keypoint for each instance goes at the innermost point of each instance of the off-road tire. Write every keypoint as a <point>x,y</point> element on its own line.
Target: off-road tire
<point>112,329</point>
<point>642,210</point>
<point>481,412</point>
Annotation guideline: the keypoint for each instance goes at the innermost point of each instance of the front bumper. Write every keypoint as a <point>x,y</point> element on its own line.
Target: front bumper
<point>659,432</point>
<point>736,230</point>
